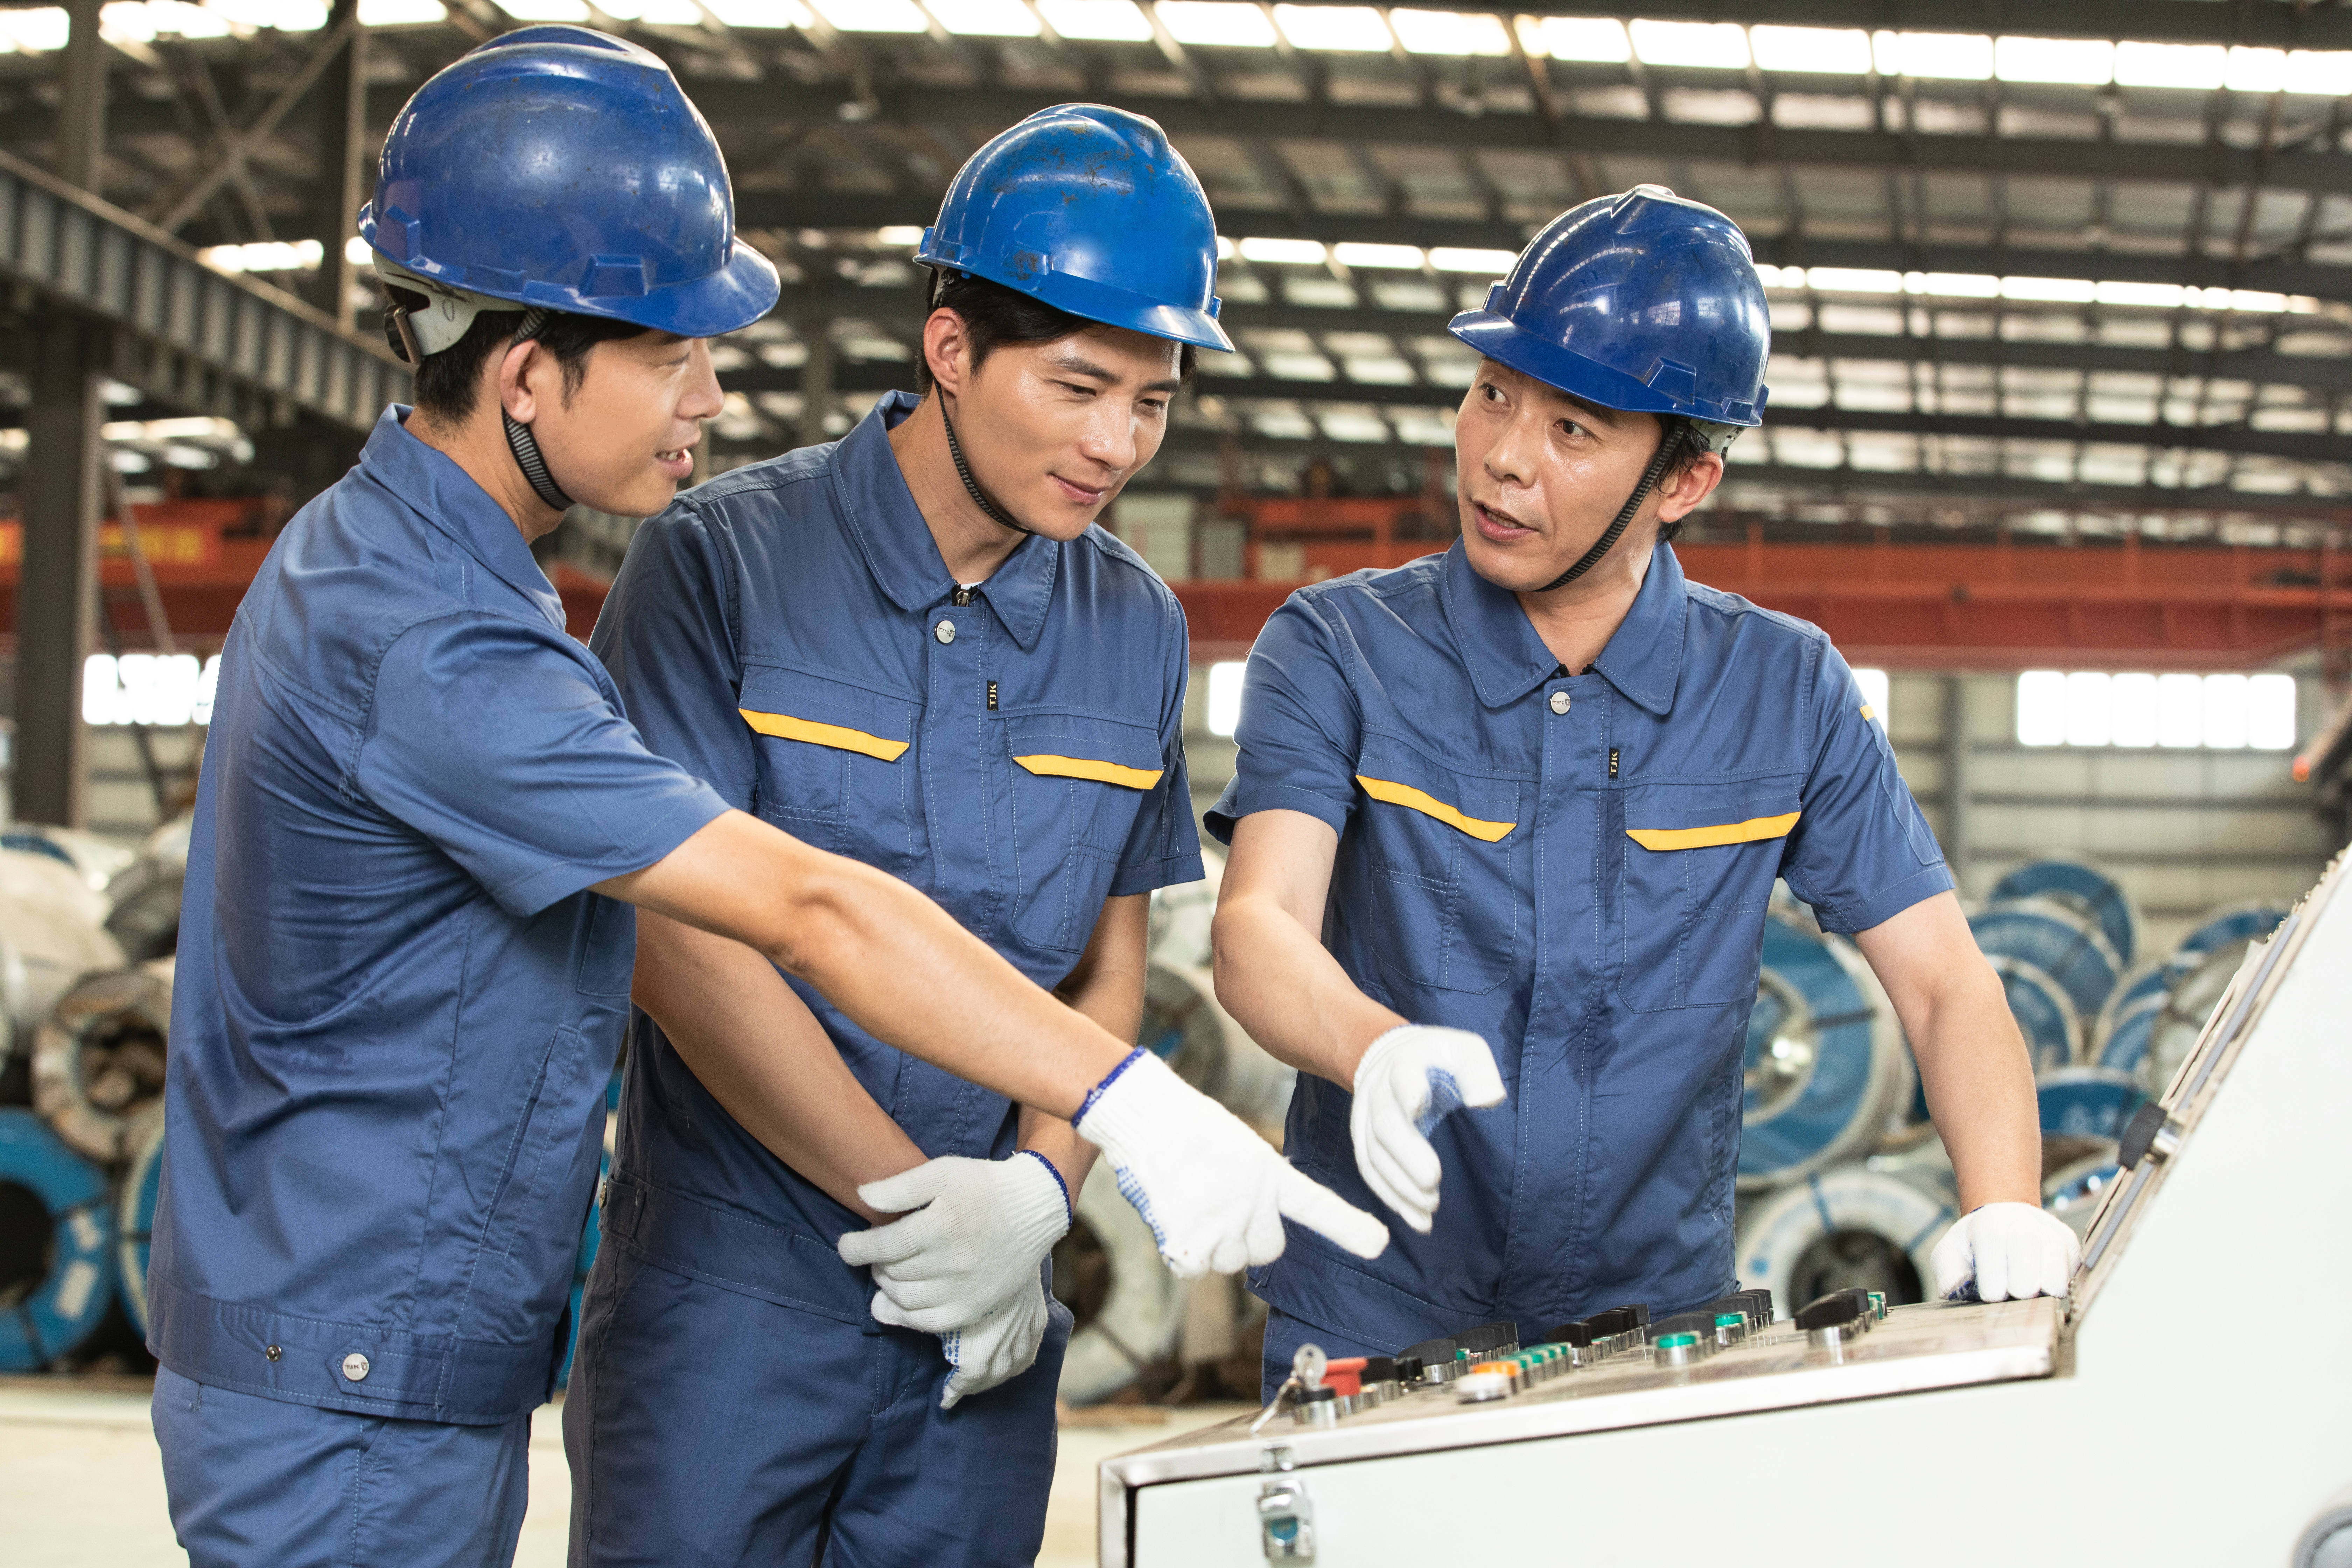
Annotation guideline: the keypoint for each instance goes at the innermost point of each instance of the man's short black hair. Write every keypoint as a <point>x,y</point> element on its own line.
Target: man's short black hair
<point>1683,462</point>
<point>449,383</point>
<point>995,317</point>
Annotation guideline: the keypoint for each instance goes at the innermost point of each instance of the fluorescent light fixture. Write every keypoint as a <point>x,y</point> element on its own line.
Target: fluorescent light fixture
<point>671,14</point>
<point>1873,692</point>
<point>1283,252</point>
<point>1600,38</point>
<point>1339,29</point>
<point>2270,712</point>
<point>1853,280</point>
<point>1353,253</point>
<point>2256,70</point>
<point>1822,52</point>
<point>165,689</point>
<point>984,18</point>
<point>2067,290</point>
<point>1950,56</point>
<point>1226,23</point>
<point>128,21</point>
<point>1953,285</point>
<point>264,255</point>
<point>755,14</point>
<point>1225,678</point>
<point>2195,66</point>
<point>542,10</point>
<point>1459,258</point>
<point>1450,32</point>
<point>2323,73</point>
<point>285,16</point>
<point>2088,62</point>
<point>358,252</point>
<point>1715,46</point>
<point>898,236</point>
<point>2148,296</point>
<point>33,31</point>
<point>1224,248</point>
<point>402,13</point>
<point>869,15</point>
<point>2041,708</point>
<point>1102,21</point>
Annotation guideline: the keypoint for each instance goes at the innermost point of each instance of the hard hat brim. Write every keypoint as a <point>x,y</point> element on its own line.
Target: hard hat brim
<point>1106,303</point>
<point>1500,339</point>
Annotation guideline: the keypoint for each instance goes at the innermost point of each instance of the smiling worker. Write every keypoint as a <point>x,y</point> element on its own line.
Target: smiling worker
<point>912,646</point>
<point>1545,783</point>
<point>423,817</point>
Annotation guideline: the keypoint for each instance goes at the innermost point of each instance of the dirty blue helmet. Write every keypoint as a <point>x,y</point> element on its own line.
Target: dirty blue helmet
<point>1090,210</point>
<point>562,169</point>
<point>1644,301</point>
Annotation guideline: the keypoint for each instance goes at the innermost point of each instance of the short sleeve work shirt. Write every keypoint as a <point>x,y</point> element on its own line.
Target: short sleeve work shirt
<point>398,1005</point>
<point>1577,868</point>
<point>1014,749</point>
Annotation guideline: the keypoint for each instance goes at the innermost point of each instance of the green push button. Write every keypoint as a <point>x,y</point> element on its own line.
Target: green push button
<point>1677,1341</point>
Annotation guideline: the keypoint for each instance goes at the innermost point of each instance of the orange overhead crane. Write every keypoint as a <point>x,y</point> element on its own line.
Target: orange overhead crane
<point>2003,605</point>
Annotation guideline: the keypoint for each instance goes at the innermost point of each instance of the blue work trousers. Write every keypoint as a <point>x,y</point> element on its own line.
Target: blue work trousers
<point>252,1480</point>
<point>706,1426</point>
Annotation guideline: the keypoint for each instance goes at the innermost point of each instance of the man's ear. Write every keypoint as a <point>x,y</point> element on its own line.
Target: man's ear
<point>946,342</point>
<point>518,368</point>
<point>1681,493</point>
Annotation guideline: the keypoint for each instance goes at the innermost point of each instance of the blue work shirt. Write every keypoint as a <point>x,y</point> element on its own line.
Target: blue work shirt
<point>1576,869</point>
<point>790,633</point>
<point>397,1007</point>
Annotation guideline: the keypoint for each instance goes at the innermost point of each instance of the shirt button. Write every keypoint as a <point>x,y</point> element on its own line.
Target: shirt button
<point>355,1367</point>
<point>944,631</point>
<point>1560,701</point>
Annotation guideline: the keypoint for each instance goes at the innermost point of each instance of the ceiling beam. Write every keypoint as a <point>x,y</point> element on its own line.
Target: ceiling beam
<point>869,375</point>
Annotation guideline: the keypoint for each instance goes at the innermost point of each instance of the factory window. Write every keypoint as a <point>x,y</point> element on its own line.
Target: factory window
<point>2213,712</point>
<point>1225,695</point>
<point>165,688</point>
<point>1873,692</point>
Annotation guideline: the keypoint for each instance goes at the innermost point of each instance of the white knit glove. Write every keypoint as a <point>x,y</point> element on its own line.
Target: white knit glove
<point>1408,1081</point>
<point>2002,1251</point>
<point>965,1260</point>
<point>1211,1191</point>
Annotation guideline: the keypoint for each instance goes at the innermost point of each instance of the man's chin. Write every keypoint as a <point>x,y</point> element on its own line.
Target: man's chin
<point>1513,568</point>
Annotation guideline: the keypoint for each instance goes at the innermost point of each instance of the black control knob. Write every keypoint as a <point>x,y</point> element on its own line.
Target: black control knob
<point>1382,1369</point>
<point>1432,1352</point>
<point>2149,1131</point>
<point>1577,1335</point>
<point>1835,1311</point>
<point>1700,1323</point>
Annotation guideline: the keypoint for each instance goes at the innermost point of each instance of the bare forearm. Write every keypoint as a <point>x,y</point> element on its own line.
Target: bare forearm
<point>886,955</point>
<point>1283,986</point>
<point>1980,1084</point>
<point>763,1056</point>
<point>1106,986</point>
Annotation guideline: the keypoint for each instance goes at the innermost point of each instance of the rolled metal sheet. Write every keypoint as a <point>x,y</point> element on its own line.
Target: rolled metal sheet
<point>97,1059</point>
<point>2088,1101</point>
<point>2229,925</point>
<point>134,1218</point>
<point>2084,888</point>
<point>1184,1025</point>
<point>1825,1068</point>
<point>57,1243</point>
<point>1128,1306</point>
<point>2063,943</point>
<point>1842,1227</point>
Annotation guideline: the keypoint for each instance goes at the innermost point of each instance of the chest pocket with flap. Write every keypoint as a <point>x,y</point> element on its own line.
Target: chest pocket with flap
<point>1078,783</point>
<point>832,770</point>
<point>1445,849</point>
<point>1700,862</point>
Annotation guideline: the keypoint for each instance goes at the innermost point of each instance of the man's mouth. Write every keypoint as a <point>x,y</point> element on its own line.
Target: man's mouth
<point>1081,495</point>
<point>678,462</point>
<point>1498,524</point>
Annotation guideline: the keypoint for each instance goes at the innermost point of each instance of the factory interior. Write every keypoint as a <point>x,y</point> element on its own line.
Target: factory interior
<point>2057,455</point>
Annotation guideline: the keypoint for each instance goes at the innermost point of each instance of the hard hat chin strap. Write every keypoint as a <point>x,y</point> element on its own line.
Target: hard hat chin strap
<point>1670,445</point>
<point>519,440</point>
<point>963,471</point>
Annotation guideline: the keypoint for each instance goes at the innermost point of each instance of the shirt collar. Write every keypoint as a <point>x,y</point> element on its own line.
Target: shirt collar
<point>1506,659</point>
<point>447,496</point>
<point>898,544</point>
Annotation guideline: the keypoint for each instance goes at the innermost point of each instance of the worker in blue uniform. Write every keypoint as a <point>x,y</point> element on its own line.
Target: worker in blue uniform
<point>1515,812</point>
<point>917,647</point>
<point>423,820</point>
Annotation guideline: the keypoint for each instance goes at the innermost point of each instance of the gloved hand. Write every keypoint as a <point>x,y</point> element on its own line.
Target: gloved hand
<point>966,1263</point>
<point>1211,1191</point>
<point>1405,1085</point>
<point>2001,1251</point>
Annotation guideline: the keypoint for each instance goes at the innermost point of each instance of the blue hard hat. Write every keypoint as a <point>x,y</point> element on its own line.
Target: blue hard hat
<point>1090,210</point>
<point>1644,302</point>
<point>564,169</point>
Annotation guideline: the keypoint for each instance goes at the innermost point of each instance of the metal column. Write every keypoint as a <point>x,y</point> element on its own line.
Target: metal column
<point>341,186</point>
<point>82,107</point>
<point>57,595</point>
<point>1960,779</point>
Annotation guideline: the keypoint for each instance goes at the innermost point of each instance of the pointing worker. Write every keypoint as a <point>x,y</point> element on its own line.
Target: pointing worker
<point>1544,785</point>
<point>422,822</point>
<point>911,646</point>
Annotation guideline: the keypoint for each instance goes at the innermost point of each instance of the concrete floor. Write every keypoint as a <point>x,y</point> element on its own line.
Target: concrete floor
<point>82,1487</point>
